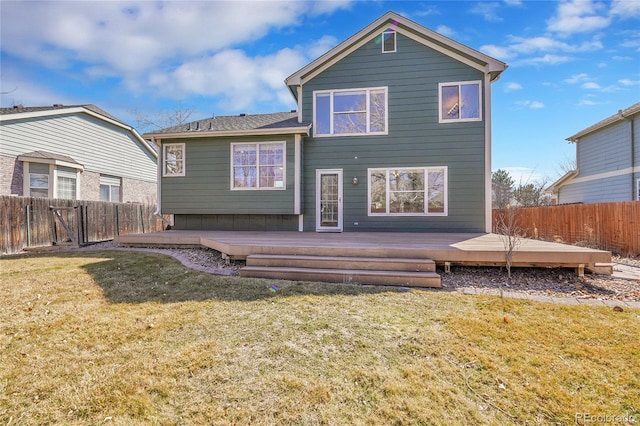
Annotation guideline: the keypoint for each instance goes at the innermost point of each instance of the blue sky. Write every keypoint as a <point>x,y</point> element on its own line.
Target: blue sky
<point>571,63</point>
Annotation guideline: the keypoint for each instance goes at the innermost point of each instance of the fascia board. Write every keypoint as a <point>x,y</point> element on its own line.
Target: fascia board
<point>620,116</point>
<point>55,162</point>
<point>258,132</point>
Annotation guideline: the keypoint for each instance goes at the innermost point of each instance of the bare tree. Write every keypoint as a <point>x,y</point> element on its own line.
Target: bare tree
<point>162,119</point>
<point>532,194</point>
<point>568,164</point>
<point>508,229</point>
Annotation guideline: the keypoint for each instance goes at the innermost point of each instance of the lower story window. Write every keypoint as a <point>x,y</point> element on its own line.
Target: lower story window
<point>66,183</point>
<point>39,185</point>
<point>410,191</point>
<point>110,189</point>
<point>258,165</point>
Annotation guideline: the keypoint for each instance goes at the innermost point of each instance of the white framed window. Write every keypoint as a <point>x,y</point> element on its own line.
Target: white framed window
<point>350,112</point>
<point>388,41</point>
<point>39,185</point>
<point>66,183</point>
<point>459,101</point>
<point>110,188</point>
<point>173,160</point>
<point>408,191</point>
<point>259,165</point>
<point>638,190</point>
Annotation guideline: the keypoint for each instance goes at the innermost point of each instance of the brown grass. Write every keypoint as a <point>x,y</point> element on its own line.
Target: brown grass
<point>135,338</point>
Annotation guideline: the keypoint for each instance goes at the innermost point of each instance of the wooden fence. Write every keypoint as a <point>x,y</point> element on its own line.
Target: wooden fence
<point>607,226</point>
<point>33,222</point>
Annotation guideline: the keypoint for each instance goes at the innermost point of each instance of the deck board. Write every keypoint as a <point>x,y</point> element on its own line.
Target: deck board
<point>453,248</point>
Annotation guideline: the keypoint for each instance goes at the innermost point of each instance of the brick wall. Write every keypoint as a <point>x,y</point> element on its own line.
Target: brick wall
<point>11,182</point>
<point>137,191</point>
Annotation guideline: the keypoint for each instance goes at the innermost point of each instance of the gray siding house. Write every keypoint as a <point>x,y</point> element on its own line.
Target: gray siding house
<point>392,132</point>
<point>74,152</point>
<point>608,162</point>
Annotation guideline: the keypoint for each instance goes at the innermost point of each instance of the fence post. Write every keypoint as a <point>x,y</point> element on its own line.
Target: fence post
<point>141,218</point>
<point>28,213</point>
<point>117,220</point>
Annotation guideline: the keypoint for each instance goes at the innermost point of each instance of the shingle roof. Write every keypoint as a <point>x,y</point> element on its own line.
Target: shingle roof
<point>237,123</point>
<point>44,155</point>
<point>17,109</point>
<point>621,115</point>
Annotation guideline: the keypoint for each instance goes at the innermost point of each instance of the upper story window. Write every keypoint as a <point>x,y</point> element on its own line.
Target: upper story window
<point>388,41</point>
<point>419,191</point>
<point>173,155</point>
<point>258,165</point>
<point>350,112</point>
<point>459,101</point>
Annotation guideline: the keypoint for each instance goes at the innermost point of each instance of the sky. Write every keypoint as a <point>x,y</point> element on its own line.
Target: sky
<point>571,63</point>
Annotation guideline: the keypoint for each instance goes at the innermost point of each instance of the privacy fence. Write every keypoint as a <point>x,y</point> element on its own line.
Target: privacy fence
<point>607,226</point>
<point>33,222</point>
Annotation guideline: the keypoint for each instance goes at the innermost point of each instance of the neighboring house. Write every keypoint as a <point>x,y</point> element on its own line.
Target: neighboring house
<point>608,162</point>
<point>74,152</point>
<point>392,133</point>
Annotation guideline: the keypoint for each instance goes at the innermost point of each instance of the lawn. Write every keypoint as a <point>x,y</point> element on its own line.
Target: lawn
<point>136,338</point>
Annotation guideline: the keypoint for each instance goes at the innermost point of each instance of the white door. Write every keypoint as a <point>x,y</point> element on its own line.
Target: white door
<point>329,200</point>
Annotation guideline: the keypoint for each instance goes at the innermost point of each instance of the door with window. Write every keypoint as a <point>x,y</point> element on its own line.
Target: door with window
<point>329,200</point>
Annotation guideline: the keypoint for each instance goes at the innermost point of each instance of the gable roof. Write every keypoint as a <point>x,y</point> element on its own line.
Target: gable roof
<point>20,112</point>
<point>622,115</point>
<point>404,26</point>
<point>563,180</point>
<point>242,124</point>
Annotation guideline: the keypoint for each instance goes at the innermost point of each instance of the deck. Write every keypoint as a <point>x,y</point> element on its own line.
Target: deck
<point>444,249</point>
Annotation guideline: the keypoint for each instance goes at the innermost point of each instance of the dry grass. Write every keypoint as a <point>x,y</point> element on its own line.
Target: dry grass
<point>135,338</point>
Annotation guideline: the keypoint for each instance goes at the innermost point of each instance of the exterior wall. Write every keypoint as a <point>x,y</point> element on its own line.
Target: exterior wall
<point>608,165</point>
<point>206,187</point>
<point>138,191</point>
<point>415,138</point>
<point>102,148</point>
<point>10,176</point>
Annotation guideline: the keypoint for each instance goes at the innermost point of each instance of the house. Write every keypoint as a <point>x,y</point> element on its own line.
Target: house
<point>74,152</point>
<point>392,132</point>
<point>607,159</point>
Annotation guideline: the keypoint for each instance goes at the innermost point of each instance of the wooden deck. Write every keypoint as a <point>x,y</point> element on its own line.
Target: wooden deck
<point>443,248</point>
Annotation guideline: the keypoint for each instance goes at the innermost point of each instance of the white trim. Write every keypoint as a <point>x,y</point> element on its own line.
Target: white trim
<point>297,174</point>
<point>621,172</point>
<point>332,113</point>
<point>395,40</point>
<point>164,160</point>
<point>55,172</point>
<point>488,213</point>
<point>301,223</point>
<point>257,166</point>
<point>339,227</point>
<point>459,84</point>
<point>304,130</point>
<point>425,212</point>
<point>638,190</point>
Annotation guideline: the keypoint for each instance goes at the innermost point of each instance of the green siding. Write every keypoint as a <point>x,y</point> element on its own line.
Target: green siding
<point>206,188</point>
<point>415,138</point>
<point>236,222</point>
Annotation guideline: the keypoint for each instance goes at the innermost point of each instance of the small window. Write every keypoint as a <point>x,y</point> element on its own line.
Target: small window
<point>39,185</point>
<point>173,160</point>
<point>66,183</point>
<point>350,112</point>
<point>258,165</point>
<point>389,41</point>
<point>460,101</point>
<point>110,188</point>
<point>420,191</point>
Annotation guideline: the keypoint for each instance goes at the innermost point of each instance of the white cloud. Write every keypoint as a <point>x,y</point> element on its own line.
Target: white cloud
<point>587,102</point>
<point>511,86</point>
<point>578,16</point>
<point>625,8</point>
<point>547,59</point>
<point>627,82</point>
<point>577,78</point>
<point>488,11</point>
<point>445,31</point>
<point>530,104</point>
<point>590,85</point>
<point>522,175</point>
<point>497,52</point>
<point>513,2</point>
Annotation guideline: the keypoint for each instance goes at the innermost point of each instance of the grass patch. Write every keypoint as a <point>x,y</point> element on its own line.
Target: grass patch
<point>136,338</point>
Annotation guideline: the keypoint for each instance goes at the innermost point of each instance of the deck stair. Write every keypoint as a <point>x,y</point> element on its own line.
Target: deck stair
<point>344,269</point>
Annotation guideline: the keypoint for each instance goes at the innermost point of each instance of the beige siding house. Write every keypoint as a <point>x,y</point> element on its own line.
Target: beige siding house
<point>74,152</point>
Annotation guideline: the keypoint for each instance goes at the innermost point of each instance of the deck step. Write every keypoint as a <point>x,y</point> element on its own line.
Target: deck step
<point>350,276</point>
<point>342,262</point>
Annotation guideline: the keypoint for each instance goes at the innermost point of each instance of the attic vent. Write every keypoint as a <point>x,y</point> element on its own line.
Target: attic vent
<point>210,125</point>
<point>197,125</point>
<point>57,105</point>
<point>294,110</point>
<point>243,115</point>
<point>20,106</point>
